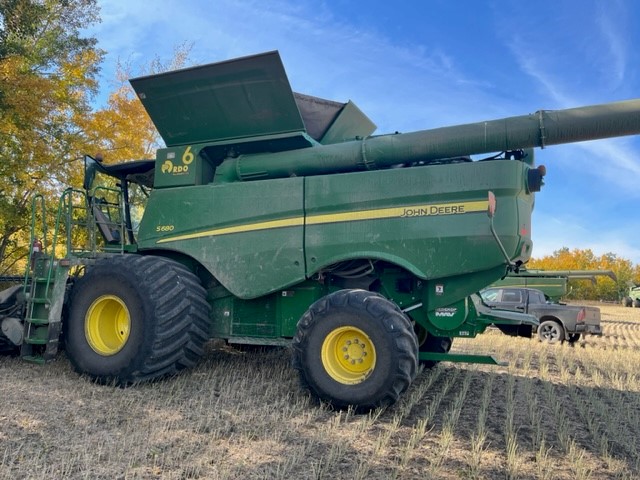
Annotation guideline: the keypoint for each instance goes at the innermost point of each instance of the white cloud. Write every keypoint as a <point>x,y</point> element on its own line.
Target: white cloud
<point>614,33</point>
<point>400,86</point>
<point>613,162</point>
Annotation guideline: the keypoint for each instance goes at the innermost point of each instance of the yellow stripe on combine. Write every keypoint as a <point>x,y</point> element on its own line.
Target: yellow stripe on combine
<point>250,227</point>
<point>428,210</point>
<point>453,208</point>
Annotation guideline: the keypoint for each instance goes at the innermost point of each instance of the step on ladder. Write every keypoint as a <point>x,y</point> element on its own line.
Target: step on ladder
<point>43,315</point>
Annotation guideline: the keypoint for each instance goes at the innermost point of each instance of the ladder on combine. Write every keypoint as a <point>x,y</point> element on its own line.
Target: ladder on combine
<point>48,270</point>
<point>41,327</point>
<point>43,316</point>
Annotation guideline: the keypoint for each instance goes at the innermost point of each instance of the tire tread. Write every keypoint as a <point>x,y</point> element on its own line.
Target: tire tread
<point>180,312</point>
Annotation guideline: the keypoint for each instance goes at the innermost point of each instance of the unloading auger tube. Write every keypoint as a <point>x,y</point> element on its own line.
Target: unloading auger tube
<point>571,274</point>
<point>540,129</point>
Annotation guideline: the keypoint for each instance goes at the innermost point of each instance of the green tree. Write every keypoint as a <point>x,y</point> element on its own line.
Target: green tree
<point>47,78</point>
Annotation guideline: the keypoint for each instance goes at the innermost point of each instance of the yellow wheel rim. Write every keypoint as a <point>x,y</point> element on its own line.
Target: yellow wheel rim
<point>348,355</point>
<point>107,324</point>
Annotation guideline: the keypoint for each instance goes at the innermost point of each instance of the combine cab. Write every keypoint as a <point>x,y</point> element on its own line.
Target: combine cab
<point>632,298</point>
<point>275,218</point>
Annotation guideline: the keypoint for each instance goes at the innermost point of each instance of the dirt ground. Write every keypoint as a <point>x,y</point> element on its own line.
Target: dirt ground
<point>556,411</point>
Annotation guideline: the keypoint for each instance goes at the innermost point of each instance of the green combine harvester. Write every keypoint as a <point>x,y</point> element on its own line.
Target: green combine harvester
<point>275,218</point>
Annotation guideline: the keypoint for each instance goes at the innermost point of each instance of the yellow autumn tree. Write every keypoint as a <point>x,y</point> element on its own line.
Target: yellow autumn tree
<point>122,130</point>
<point>584,259</point>
<point>47,77</point>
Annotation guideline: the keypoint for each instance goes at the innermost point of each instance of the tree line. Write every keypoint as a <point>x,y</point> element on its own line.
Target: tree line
<point>602,288</point>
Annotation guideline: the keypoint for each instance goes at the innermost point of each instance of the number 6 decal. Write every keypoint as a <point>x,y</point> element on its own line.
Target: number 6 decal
<point>187,156</point>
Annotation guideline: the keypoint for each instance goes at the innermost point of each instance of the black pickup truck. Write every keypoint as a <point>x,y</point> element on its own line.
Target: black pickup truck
<point>558,322</point>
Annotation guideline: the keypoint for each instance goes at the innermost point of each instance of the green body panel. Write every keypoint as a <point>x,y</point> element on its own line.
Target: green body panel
<point>268,317</point>
<point>260,237</point>
<point>421,218</point>
<point>203,222</point>
<point>350,123</point>
<point>276,315</point>
<point>238,98</point>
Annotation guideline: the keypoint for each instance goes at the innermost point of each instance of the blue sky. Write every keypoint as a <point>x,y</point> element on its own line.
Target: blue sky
<point>416,65</point>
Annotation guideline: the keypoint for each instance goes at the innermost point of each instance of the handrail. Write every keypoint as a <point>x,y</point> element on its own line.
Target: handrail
<point>119,222</point>
<point>34,209</point>
<point>65,216</point>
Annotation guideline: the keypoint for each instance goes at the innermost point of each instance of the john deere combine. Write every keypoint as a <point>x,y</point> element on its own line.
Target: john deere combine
<point>275,218</point>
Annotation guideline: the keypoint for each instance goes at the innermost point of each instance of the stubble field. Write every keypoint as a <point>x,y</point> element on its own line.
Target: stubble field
<point>556,412</point>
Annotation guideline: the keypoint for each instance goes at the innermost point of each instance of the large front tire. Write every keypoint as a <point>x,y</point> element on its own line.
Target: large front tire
<point>134,318</point>
<point>355,347</point>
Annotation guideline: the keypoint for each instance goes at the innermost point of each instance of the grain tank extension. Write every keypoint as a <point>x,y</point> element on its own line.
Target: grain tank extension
<point>275,218</point>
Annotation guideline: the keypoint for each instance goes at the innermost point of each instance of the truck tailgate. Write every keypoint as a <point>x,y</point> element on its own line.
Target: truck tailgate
<point>592,320</point>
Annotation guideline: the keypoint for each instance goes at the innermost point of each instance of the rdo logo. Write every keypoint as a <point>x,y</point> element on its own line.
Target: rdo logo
<point>169,167</point>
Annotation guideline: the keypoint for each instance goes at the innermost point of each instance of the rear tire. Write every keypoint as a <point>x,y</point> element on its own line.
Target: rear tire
<point>355,347</point>
<point>134,318</point>
<point>550,331</point>
<point>626,302</point>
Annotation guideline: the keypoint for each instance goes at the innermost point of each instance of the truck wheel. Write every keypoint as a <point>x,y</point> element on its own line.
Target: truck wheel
<point>550,331</point>
<point>573,337</point>
<point>134,318</point>
<point>355,347</point>
<point>431,344</point>
<point>636,303</point>
<point>627,301</point>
